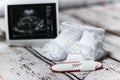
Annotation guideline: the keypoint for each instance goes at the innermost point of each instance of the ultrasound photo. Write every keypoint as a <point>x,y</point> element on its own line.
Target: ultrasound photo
<point>33,21</point>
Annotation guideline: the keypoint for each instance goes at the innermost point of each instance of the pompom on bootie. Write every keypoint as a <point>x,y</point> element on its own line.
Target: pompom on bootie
<point>56,49</point>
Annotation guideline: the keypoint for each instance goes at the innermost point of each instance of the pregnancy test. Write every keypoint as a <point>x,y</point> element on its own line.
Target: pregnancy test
<point>77,66</point>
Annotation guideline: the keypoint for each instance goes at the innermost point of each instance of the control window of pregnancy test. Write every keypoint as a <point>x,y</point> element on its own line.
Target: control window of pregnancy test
<point>32,22</point>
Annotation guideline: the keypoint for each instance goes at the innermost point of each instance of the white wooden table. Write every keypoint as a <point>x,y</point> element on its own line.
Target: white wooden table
<point>18,63</point>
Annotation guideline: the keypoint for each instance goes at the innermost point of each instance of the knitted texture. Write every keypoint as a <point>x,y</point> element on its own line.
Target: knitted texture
<point>57,49</point>
<point>83,42</point>
<point>90,46</point>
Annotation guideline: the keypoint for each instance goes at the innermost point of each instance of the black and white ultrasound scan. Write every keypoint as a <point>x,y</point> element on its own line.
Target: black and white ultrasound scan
<point>32,21</point>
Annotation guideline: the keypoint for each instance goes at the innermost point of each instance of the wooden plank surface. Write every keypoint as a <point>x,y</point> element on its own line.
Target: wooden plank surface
<point>2,28</point>
<point>19,64</point>
<point>112,45</point>
<point>100,16</point>
<point>111,71</point>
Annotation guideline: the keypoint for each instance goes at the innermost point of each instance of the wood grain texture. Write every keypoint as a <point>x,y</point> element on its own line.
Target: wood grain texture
<point>2,24</point>
<point>112,45</point>
<point>71,3</point>
<point>2,28</point>
<point>66,17</point>
<point>98,16</point>
<point>19,64</point>
<point>112,39</point>
<point>111,71</point>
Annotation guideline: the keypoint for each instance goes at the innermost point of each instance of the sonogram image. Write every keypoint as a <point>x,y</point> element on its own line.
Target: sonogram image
<point>33,21</point>
<point>29,23</point>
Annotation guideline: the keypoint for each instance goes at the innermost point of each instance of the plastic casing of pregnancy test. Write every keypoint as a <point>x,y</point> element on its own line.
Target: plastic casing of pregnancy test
<point>69,67</point>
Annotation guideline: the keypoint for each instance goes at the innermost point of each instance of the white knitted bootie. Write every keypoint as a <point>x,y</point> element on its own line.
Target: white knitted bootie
<point>90,46</point>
